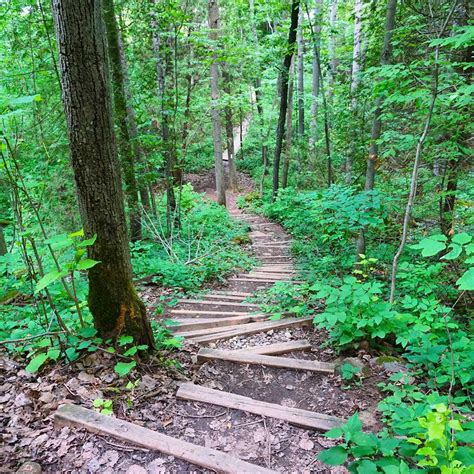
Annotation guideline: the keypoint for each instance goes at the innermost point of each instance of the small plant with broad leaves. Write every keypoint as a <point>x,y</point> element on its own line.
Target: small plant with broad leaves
<point>438,445</point>
<point>103,406</point>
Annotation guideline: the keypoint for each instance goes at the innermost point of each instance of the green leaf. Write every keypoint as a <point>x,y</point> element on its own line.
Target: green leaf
<point>72,354</point>
<point>366,467</point>
<point>87,332</point>
<point>466,282</point>
<point>53,354</point>
<point>430,246</point>
<point>363,439</point>
<point>334,433</point>
<point>78,233</point>
<point>26,99</point>
<point>333,456</point>
<point>352,426</point>
<point>88,242</point>
<point>123,368</point>
<point>36,363</point>
<point>86,263</point>
<point>455,252</point>
<point>98,402</point>
<point>131,352</point>
<point>48,279</point>
<point>123,340</point>
<point>462,239</point>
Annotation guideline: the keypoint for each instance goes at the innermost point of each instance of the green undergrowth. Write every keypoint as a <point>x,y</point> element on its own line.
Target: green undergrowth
<point>427,329</point>
<point>47,324</point>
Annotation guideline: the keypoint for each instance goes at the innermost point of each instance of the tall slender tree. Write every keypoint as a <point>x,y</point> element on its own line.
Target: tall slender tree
<point>214,26</point>
<point>120,108</point>
<point>295,8</point>
<point>300,42</point>
<point>315,77</point>
<point>355,80</point>
<point>385,58</point>
<point>86,92</point>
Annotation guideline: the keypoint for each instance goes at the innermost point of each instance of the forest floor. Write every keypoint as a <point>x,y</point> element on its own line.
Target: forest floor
<point>28,402</point>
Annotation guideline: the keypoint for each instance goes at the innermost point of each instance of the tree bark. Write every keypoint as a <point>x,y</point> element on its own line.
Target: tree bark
<point>113,301</point>
<point>372,159</point>
<point>133,129</point>
<point>161,51</point>
<point>121,120</point>
<point>289,128</point>
<point>229,129</point>
<point>355,79</point>
<point>295,7</point>
<point>315,77</point>
<point>3,242</point>
<point>216,120</point>
<point>332,47</point>
<point>300,42</point>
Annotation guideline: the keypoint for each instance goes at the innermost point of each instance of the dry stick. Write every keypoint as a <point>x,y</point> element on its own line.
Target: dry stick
<point>29,338</point>
<point>416,165</point>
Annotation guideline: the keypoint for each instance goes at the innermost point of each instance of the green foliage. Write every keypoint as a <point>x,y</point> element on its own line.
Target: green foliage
<point>205,247</point>
<point>437,442</point>
<point>103,406</point>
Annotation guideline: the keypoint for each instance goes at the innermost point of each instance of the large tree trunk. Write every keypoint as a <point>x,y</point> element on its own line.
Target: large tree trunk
<point>295,7</point>
<point>385,59</point>
<point>113,301</point>
<point>229,129</point>
<point>315,77</point>
<point>300,41</point>
<point>355,79</point>
<point>120,109</point>
<point>216,120</point>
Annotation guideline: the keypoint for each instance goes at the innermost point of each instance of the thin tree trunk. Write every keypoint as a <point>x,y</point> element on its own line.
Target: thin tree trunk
<point>372,159</point>
<point>258,87</point>
<point>3,242</point>
<point>216,120</point>
<point>295,7</point>
<point>355,79</point>
<point>85,81</point>
<point>132,127</point>
<point>315,77</point>
<point>300,42</point>
<point>332,47</point>
<point>289,128</point>
<point>161,51</point>
<point>120,109</point>
<point>229,129</point>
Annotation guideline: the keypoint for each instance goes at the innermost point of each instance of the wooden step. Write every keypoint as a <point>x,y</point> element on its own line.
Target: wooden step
<point>242,357</point>
<point>295,416</point>
<point>219,303</point>
<point>225,297</point>
<point>262,280</point>
<point>74,415</point>
<point>195,324</point>
<point>274,256</point>
<point>279,348</point>
<point>232,293</point>
<point>277,276</point>
<point>210,314</point>
<point>253,328</point>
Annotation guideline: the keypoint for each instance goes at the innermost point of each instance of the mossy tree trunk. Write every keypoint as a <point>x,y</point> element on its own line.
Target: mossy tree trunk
<point>121,119</point>
<point>85,82</point>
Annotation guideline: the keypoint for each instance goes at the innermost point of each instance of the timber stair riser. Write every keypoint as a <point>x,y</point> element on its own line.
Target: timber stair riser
<point>303,418</point>
<point>269,361</point>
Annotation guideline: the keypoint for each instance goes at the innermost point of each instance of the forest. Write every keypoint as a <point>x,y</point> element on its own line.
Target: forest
<point>236,236</point>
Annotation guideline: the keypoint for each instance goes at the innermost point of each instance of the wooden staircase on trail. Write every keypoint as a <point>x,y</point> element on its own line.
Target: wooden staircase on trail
<point>218,316</point>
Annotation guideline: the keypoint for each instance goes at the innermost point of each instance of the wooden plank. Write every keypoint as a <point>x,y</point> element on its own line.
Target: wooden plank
<point>210,314</point>
<point>261,280</point>
<point>218,303</point>
<point>192,324</point>
<point>232,293</point>
<point>279,348</point>
<point>74,415</point>
<point>206,354</point>
<point>274,256</point>
<point>295,416</point>
<point>270,274</point>
<point>225,297</point>
<point>253,328</point>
